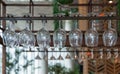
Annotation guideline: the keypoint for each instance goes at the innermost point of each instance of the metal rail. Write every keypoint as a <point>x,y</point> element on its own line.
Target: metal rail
<point>63,18</point>
<point>69,5</point>
<point>72,51</point>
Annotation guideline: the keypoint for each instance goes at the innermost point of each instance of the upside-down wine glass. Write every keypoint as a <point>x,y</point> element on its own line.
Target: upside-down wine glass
<point>59,37</point>
<point>75,39</point>
<point>91,38</point>
<point>43,38</point>
<point>109,38</point>
<point>10,37</point>
<point>27,38</point>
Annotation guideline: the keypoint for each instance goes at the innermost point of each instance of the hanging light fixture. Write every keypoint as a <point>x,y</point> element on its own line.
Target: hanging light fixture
<point>110,1</point>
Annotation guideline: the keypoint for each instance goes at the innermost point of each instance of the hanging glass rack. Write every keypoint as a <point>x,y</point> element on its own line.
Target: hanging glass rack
<point>56,18</point>
<point>64,18</point>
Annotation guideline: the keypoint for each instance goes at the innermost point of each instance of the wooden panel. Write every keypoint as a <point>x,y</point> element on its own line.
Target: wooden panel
<point>104,66</point>
<point>83,24</point>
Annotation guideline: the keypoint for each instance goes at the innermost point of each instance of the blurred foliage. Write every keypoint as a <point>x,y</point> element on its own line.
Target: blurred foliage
<point>13,64</point>
<point>56,10</point>
<point>65,1</point>
<point>58,69</point>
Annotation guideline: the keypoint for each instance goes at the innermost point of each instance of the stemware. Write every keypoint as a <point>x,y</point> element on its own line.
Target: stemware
<point>27,38</point>
<point>10,37</point>
<point>91,38</point>
<point>52,57</point>
<point>101,53</point>
<point>43,38</point>
<point>75,38</point>
<point>109,38</point>
<point>68,55</point>
<point>59,37</point>
<point>38,56</point>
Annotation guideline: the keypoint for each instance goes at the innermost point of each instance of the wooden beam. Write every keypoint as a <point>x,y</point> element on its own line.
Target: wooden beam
<point>4,60</point>
<point>4,15</point>
<point>3,2</point>
<point>83,10</point>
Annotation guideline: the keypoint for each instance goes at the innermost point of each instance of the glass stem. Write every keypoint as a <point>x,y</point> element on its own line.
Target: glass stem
<point>116,54</point>
<point>60,51</point>
<point>75,50</point>
<point>101,53</point>
<point>75,24</point>
<point>43,24</point>
<point>92,54</point>
<point>60,24</point>
<point>93,22</point>
<point>11,25</point>
<point>27,25</point>
<point>108,53</point>
<point>45,56</point>
<point>109,24</point>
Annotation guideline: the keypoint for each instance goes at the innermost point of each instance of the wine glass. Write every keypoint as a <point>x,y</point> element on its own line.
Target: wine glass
<point>59,37</point>
<point>52,57</point>
<point>43,37</point>
<point>75,38</point>
<point>68,55</point>
<point>91,38</point>
<point>38,56</point>
<point>27,38</point>
<point>10,37</point>
<point>109,38</point>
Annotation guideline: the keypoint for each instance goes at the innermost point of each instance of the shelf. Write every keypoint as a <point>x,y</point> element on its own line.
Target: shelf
<point>72,51</point>
<point>63,18</point>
